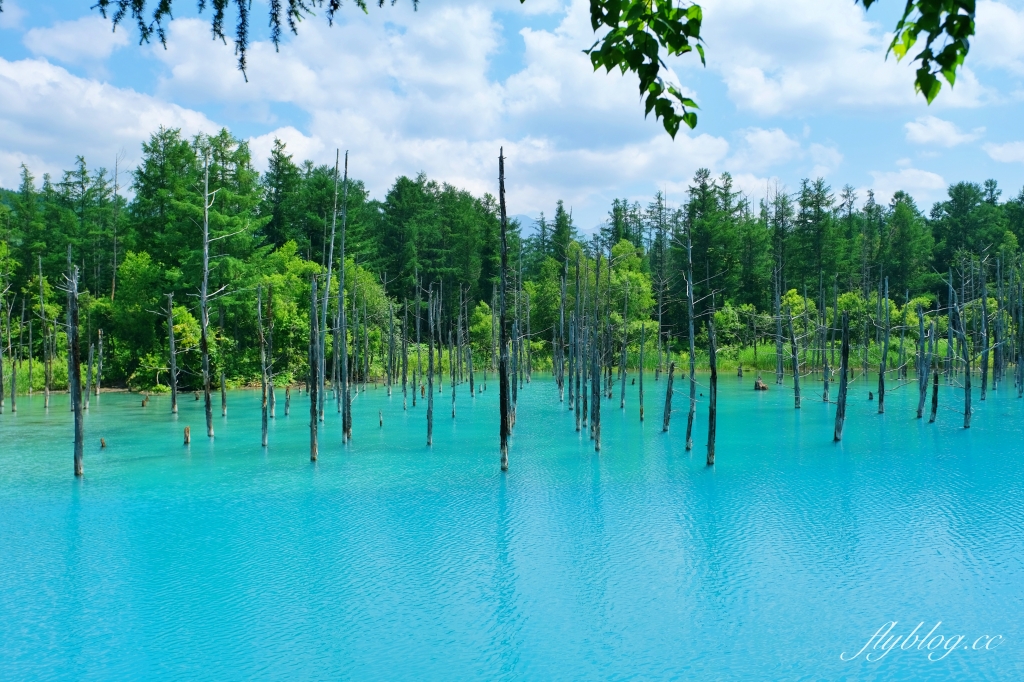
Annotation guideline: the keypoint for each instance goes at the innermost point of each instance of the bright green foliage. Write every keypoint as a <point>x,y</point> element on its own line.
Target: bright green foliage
<point>273,232</point>
<point>948,26</point>
<point>637,30</point>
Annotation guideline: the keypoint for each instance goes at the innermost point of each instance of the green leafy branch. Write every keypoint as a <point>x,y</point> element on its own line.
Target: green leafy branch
<point>637,32</point>
<point>948,25</point>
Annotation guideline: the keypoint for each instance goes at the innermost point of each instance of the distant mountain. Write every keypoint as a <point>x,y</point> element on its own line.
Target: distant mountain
<point>528,224</point>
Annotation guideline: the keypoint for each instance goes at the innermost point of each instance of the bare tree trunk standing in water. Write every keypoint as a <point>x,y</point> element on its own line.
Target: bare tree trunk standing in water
<point>844,363</point>
<point>693,352</point>
<point>713,393</point>
<point>204,312</point>
<point>668,396</point>
<point>595,367</point>
<point>502,332</point>
<point>263,358</point>
<point>405,357</point>
<point>174,354</point>
<point>322,350</point>
<point>885,352</point>
<point>625,342</point>
<point>983,316</point>
<point>346,396</point>
<point>641,372</point>
<point>47,373</point>
<point>99,362</point>
<point>430,365</point>
<point>315,381</point>
<point>796,361</point>
<point>75,378</point>
<point>924,358</point>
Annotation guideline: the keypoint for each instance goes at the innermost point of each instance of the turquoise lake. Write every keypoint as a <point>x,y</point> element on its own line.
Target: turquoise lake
<point>389,560</point>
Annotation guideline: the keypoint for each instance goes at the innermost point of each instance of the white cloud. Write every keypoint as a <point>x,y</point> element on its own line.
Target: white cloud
<point>935,131</point>
<point>923,185</point>
<point>87,39</point>
<point>12,15</point>
<point>408,91</point>
<point>1009,152</point>
<point>47,116</point>
<point>761,149</point>
<point>783,56</point>
<point>299,146</point>
<point>999,41</point>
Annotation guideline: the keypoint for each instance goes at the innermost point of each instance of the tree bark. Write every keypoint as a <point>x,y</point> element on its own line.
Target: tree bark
<point>668,396</point>
<point>844,360</point>
<point>75,378</point>
<point>315,382</point>
<point>713,393</point>
<point>173,352</point>
<point>504,405</point>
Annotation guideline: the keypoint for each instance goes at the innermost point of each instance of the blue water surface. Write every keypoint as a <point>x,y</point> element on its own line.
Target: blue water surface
<point>391,560</point>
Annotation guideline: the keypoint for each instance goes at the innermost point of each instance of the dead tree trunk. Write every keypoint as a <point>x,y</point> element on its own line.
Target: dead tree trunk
<point>174,353</point>
<point>796,363</point>
<point>640,393</point>
<point>346,395</point>
<point>430,366</point>
<point>924,358</point>
<point>595,366</point>
<point>885,353</point>
<point>99,363</point>
<point>693,347</point>
<point>668,396</point>
<point>502,333</point>
<point>315,382</point>
<point>46,355</point>
<point>75,378</point>
<point>935,396</point>
<point>983,316</point>
<point>263,360</point>
<point>844,360</point>
<point>204,314</point>
<point>625,342</point>
<point>713,394</point>
<point>405,356</point>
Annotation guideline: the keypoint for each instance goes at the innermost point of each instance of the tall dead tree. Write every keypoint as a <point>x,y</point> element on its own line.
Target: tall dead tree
<point>315,382</point>
<point>595,367</point>
<point>346,395</point>
<point>625,342</point>
<point>430,366</point>
<point>204,312</point>
<point>174,353</point>
<point>796,361</point>
<point>322,350</point>
<point>844,363</point>
<point>712,393</point>
<point>503,389</point>
<point>693,349</point>
<point>640,392</point>
<point>983,318</point>
<point>47,356</point>
<point>75,376</point>
<point>885,352</point>
<point>262,337</point>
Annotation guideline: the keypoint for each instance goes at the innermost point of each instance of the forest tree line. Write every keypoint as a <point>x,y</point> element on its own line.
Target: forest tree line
<point>811,251</point>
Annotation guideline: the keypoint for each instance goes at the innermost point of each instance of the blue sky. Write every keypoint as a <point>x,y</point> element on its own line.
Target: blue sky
<point>792,89</point>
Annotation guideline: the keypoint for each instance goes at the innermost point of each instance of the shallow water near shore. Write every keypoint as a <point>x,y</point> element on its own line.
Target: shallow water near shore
<point>390,560</point>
